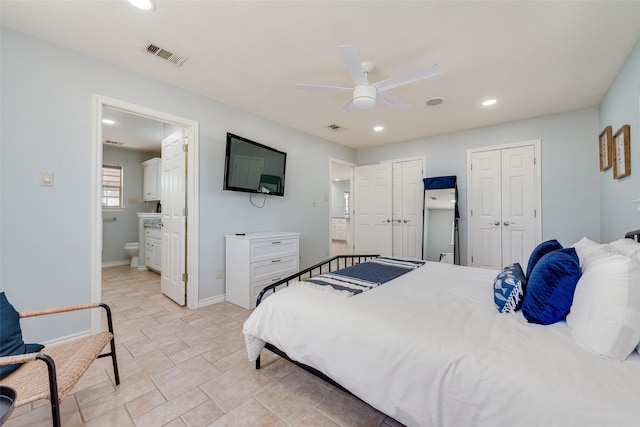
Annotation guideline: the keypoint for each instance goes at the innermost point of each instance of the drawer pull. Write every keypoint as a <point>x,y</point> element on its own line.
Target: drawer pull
<point>276,260</point>
<point>276,279</point>
<point>275,243</point>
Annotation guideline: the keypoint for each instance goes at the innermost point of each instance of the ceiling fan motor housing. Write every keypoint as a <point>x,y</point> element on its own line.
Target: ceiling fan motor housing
<point>364,97</point>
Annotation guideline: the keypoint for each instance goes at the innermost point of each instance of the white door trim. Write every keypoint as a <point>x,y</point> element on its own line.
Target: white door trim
<point>538,184</point>
<point>99,102</point>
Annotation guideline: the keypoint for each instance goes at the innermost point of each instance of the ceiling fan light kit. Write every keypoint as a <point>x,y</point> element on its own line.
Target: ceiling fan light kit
<point>365,95</point>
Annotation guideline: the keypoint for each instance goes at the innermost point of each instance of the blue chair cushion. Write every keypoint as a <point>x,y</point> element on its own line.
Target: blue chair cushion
<point>541,250</point>
<point>11,342</point>
<point>509,288</point>
<point>551,286</point>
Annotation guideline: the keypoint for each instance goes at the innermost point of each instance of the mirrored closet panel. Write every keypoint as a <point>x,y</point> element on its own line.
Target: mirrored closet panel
<point>441,216</point>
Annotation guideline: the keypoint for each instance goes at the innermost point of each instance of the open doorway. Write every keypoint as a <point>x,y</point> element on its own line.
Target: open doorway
<point>340,207</point>
<point>190,130</point>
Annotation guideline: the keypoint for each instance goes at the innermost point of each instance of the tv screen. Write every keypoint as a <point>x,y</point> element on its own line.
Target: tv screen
<point>253,167</point>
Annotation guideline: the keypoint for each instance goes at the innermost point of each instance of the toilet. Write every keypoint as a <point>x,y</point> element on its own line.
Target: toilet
<point>132,250</point>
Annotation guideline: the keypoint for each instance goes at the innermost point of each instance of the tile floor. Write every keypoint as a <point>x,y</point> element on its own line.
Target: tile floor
<point>182,367</point>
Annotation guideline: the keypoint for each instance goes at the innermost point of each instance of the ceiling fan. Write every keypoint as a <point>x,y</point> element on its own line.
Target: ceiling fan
<point>365,94</point>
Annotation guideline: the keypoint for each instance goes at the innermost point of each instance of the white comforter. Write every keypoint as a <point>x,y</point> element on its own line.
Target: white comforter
<point>430,349</point>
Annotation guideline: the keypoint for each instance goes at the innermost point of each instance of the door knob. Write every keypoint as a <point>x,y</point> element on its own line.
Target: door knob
<point>507,223</point>
<point>387,220</point>
<point>496,223</point>
<point>398,221</point>
<point>405,221</point>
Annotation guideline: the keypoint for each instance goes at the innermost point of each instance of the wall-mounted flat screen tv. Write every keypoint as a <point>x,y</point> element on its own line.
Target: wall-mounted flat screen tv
<point>253,167</point>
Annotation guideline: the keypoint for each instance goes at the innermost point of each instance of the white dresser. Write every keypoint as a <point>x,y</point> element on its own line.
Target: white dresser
<point>255,260</point>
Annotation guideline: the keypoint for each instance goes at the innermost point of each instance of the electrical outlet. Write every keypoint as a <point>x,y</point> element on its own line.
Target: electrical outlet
<point>326,198</point>
<point>132,200</point>
<point>313,203</point>
<point>219,274</point>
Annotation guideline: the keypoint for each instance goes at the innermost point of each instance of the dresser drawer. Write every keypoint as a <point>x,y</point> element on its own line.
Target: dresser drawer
<point>273,249</point>
<point>277,268</point>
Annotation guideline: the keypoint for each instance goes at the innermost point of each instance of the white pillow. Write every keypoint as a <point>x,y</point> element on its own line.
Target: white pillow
<point>605,314</point>
<point>589,251</point>
<point>626,247</point>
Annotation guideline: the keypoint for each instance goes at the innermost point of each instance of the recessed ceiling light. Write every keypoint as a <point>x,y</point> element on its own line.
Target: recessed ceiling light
<point>143,4</point>
<point>378,128</point>
<point>489,102</point>
<point>434,101</point>
<point>108,122</point>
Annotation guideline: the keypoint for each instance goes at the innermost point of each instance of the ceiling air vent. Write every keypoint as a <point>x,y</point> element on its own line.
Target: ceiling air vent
<point>113,142</point>
<point>164,54</point>
<point>333,127</point>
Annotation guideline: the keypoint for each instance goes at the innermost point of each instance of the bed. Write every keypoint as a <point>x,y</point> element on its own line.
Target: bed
<point>429,348</point>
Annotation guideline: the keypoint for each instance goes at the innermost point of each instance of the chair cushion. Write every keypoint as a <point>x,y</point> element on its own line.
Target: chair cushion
<point>11,342</point>
<point>551,286</point>
<point>541,250</point>
<point>508,289</point>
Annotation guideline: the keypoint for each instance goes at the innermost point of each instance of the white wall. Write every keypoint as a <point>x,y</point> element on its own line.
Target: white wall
<point>621,105</point>
<point>570,175</point>
<point>46,121</point>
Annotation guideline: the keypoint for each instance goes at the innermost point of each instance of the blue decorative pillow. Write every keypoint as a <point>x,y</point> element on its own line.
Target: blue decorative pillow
<point>508,289</point>
<point>551,286</point>
<point>11,336</point>
<point>541,250</point>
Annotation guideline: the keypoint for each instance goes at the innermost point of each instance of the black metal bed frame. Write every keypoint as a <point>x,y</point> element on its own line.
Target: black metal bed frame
<point>327,266</point>
<point>635,235</point>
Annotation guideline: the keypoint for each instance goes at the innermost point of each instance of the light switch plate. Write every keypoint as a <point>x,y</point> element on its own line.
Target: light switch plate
<point>46,179</point>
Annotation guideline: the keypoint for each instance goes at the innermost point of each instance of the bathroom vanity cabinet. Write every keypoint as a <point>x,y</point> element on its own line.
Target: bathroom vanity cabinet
<point>153,248</point>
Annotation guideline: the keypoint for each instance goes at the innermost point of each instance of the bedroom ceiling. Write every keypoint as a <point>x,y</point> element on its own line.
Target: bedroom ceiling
<point>535,58</point>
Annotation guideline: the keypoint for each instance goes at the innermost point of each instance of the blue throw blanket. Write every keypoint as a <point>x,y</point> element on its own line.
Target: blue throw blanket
<point>362,277</point>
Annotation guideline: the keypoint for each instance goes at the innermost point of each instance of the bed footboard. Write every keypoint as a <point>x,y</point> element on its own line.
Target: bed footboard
<point>332,264</point>
<point>635,235</point>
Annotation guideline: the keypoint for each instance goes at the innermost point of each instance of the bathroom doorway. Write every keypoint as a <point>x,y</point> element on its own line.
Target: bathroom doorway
<point>340,207</point>
<point>169,122</point>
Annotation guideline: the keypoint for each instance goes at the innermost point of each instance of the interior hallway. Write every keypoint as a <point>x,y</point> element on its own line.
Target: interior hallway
<point>182,367</point>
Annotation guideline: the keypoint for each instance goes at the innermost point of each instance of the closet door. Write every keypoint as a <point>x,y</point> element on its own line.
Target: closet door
<point>504,200</point>
<point>372,202</point>
<point>519,226</point>
<point>407,209</point>
<point>486,209</point>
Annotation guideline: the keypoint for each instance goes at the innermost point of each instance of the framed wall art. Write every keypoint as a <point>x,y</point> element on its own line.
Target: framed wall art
<point>605,145</point>
<point>621,153</point>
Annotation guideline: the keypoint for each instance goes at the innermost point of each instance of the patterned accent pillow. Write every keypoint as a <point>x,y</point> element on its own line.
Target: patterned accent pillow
<point>509,288</point>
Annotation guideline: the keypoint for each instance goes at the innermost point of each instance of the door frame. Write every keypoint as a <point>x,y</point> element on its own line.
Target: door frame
<point>538,184</point>
<point>351,165</point>
<point>99,102</point>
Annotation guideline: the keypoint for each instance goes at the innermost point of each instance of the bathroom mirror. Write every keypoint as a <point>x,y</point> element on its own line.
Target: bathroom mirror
<point>440,239</point>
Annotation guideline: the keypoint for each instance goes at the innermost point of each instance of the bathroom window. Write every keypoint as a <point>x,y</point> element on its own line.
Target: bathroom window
<point>112,187</point>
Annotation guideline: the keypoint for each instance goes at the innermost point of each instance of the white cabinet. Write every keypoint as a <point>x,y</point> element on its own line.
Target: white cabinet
<point>339,228</point>
<point>153,248</point>
<point>152,179</point>
<point>255,260</point>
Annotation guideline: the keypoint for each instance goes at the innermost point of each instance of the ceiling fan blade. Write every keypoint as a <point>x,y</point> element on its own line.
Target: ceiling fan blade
<point>347,107</point>
<point>420,74</point>
<point>327,88</point>
<point>352,61</point>
<point>394,102</point>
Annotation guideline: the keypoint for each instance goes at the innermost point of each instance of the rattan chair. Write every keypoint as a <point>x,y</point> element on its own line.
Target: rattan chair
<point>54,371</point>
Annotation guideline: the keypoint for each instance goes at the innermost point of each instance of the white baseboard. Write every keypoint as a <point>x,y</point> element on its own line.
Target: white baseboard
<point>116,263</point>
<point>65,339</point>
<point>210,301</point>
